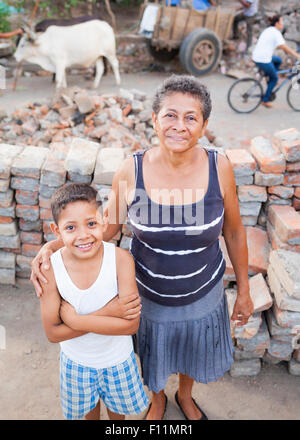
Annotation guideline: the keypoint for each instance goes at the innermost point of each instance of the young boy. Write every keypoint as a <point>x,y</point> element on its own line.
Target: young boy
<point>99,312</point>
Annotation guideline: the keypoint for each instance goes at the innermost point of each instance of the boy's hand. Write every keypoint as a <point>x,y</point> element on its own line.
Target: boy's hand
<point>68,314</point>
<point>126,307</point>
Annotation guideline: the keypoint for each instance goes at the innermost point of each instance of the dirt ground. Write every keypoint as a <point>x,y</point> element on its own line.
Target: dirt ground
<point>29,368</point>
<point>29,371</point>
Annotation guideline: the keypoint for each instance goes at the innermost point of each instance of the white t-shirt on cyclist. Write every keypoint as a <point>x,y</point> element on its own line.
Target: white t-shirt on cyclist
<point>269,39</point>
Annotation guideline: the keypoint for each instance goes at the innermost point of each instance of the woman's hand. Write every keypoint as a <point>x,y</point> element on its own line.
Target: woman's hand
<point>68,315</point>
<point>42,259</point>
<point>126,307</point>
<point>243,309</point>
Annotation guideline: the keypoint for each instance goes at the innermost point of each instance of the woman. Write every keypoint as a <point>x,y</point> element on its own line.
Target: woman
<point>269,40</point>
<point>179,198</point>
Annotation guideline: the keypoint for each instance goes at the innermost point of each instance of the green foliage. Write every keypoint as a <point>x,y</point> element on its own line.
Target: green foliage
<point>4,23</point>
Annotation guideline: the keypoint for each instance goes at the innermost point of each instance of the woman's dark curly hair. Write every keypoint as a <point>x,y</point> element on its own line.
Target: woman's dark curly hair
<point>186,84</point>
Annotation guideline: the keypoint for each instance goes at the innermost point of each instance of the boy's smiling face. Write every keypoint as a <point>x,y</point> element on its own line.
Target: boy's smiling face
<point>81,227</point>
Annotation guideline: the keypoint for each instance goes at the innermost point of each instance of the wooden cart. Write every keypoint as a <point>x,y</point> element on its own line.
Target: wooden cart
<point>196,35</point>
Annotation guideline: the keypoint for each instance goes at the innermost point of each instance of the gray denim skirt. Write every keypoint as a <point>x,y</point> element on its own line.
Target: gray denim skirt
<point>193,340</point>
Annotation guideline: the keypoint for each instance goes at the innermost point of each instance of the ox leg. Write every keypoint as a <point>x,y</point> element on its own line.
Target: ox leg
<point>115,66</point>
<point>61,77</point>
<point>99,72</point>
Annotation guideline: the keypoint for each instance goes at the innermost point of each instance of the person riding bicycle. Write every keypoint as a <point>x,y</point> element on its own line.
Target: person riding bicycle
<point>269,40</point>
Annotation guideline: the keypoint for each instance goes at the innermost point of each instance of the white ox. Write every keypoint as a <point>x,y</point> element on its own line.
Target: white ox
<point>59,47</point>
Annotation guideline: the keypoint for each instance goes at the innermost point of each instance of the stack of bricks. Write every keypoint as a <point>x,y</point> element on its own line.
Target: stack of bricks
<point>268,189</point>
<point>268,184</point>
<point>284,317</point>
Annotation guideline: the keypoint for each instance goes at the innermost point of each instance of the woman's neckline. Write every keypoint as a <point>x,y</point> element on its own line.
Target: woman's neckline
<point>185,204</point>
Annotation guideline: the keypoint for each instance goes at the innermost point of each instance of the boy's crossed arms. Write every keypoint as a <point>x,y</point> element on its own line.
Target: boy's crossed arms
<point>120,316</point>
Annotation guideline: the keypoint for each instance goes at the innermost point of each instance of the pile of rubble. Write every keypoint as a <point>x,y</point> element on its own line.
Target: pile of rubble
<point>123,120</point>
<point>85,138</point>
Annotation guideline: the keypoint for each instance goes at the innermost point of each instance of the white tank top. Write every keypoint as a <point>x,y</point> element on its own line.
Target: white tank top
<point>92,350</point>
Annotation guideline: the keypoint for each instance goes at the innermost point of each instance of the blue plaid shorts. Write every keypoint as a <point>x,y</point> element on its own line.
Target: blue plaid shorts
<point>120,387</point>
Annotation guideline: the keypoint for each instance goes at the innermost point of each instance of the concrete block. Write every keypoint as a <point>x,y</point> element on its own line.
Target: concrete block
<point>244,180</point>
<point>249,208</point>
<point>278,331</point>
<point>288,142</point>
<point>260,293</point>
<point>53,171</point>
<point>7,276</point>
<point>27,197</point>
<point>81,158</point>
<point>280,350</point>
<point>249,220</point>
<point>8,212</point>
<point>267,157</point>
<point>259,341</point>
<point>277,243</point>
<point>108,162</point>
<point>270,179</point>
<point>281,191</point>
<point>7,260</point>
<point>4,185</point>
<point>27,212</point>
<point>249,367</point>
<point>286,221</point>
<point>26,225</point>
<point>6,198</point>
<point>285,318</point>
<point>29,162</point>
<point>258,250</point>
<point>7,155</point>
<point>283,300</point>
<point>10,241</point>
<point>294,367</point>
<point>240,355</point>
<point>286,265</point>
<point>79,178</point>
<point>24,183</point>
<point>252,193</point>
<point>242,162</point>
<point>8,229</point>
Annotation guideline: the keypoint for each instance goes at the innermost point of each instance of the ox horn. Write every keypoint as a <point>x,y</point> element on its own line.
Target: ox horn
<point>29,32</point>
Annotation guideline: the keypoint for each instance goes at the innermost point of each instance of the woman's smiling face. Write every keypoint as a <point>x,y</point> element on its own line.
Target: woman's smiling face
<point>179,122</point>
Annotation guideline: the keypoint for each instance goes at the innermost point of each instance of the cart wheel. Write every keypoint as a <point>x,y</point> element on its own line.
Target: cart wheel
<point>200,51</point>
<point>163,55</point>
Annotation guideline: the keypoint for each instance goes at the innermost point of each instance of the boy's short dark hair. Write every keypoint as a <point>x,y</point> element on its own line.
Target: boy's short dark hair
<point>186,84</point>
<point>70,193</point>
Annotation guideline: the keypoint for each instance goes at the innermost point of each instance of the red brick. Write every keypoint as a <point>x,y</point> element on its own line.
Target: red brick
<point>297,192</point>
<point>258,250</point>
<point>31,237</point>
<point>267,157</point>
<point>296,203</point>
<point>6,220</point>
<point>288,142</point>
<point>277,243</point>
<point>44,203</point>
<point>292,179</point>
<point>30,250</point>
<point>293,166</point>
<point>45,214</point>
<point>242,162</point>
<point>28,212</point>
<point>281,191</point>
<point>286,222</point>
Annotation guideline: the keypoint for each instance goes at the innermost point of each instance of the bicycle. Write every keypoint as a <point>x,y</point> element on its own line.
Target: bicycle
<point>245,94</point>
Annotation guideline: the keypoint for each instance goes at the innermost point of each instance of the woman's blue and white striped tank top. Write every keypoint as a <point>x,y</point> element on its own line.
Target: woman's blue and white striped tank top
<point>176,248</point>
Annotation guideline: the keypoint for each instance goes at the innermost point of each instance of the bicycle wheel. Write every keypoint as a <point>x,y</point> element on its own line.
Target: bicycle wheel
<point>245,95</point>
<point>293,96</point>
